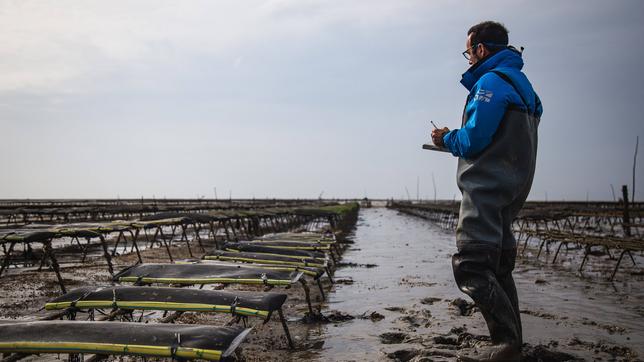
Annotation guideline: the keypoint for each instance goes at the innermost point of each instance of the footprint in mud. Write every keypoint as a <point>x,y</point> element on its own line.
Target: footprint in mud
<point>393,337</point>
<point>543,315</point>
<point>373,316</point>
<point>430,300</point>
<point>346,281</point>
<point>610,328</point>
<point>540,353</point>
<point>404,354</point>
<point>417,318</point>
<point>412,354</point>
<point>395,309</point>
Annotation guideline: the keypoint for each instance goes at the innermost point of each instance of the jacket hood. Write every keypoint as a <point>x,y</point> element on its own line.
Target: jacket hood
<point>506,58</point>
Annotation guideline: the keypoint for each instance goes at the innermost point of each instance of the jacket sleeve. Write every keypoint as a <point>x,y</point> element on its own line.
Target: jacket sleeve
<point>539,110</point>
<point>485,108</point>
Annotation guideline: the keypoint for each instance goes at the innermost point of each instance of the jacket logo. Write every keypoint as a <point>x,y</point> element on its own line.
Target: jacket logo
<point>483,95</point>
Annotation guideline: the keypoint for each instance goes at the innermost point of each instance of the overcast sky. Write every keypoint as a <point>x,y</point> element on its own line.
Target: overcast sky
<point>294,98</point>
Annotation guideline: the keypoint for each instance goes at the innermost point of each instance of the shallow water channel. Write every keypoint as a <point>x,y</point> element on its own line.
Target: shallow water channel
<point>397,261</point>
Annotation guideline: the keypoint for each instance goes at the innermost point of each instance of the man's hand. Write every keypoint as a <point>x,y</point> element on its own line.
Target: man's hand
<point>437,136</point>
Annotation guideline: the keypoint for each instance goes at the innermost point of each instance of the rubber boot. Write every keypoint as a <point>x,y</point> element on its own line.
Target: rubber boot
<point>475,270</point>
<point>492,353</point>
<point>504,276</point>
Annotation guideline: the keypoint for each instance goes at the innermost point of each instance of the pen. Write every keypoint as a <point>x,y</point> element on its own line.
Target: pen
<point>434,124</point>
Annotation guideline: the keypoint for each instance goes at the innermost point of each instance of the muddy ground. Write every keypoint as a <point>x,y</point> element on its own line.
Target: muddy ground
<point>423,317</point>
<point>395,299</point>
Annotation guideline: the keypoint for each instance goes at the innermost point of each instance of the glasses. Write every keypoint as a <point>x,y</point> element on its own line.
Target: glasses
<point>467,54</point>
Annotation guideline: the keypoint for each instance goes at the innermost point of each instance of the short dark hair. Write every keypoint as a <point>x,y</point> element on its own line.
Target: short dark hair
<point>493,35</point>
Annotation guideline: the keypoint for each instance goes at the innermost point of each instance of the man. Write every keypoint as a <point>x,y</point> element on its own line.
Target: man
<point>497,149</point>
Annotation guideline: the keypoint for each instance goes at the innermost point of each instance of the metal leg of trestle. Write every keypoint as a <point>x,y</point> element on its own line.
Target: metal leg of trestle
<point>223,224</point>
<point>197,230</point>
<point>543,241</point>
<point>328,274</point>
<point>83,249</point>
<point>321,289</point>
<point>286,331</point>
<point>621,255</point>
<point>135,236</point>
<point>557,252</point>
<point>184,237</point>
<point>116,244</point>
<point>108,257</point>
<point>54,263</point>
<point>167,247</point>
<point>173,228</point>
<point>583,261</point>
<point>232,229</point>
<point>43,259</point>
<point>7,257</point>
<point>307,294</point>
<point>333,257</point>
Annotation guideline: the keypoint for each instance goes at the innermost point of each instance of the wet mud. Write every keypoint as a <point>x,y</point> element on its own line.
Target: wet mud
<point>394,298</point>
<point>566,317</point>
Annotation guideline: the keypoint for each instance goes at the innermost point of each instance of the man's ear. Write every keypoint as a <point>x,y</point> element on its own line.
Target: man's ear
<point>484,51</point>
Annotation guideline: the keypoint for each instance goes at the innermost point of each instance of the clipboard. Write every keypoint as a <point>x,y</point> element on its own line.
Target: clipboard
<point>427,146</point>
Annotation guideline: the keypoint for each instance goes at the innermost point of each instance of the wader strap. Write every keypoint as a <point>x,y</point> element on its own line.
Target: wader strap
<point>264,279</point>
<point>176,343</point>
<point>114,304</point>
<point>233,306</point>
<point>508,80</point>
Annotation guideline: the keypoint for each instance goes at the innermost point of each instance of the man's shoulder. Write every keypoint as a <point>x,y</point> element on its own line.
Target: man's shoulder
<point>490,87</point>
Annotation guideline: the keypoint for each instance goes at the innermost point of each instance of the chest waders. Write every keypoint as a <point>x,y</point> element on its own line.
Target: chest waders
<point>495,184</point>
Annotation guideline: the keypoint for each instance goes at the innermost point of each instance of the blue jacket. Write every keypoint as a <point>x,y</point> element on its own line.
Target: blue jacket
<point>488,100</point>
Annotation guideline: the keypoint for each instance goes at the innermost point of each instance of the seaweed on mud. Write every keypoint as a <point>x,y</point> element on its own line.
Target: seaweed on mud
<point>345,281</point>
<point>373,316</point>
<point>538,314</point>
<point>464,307</point>
<point>430,300</point>
<point>445,340</point>
<point>331,317</point>
<point>355,265</point>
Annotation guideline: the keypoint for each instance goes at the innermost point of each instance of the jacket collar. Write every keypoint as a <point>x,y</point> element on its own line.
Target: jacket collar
<point>506,58</point>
